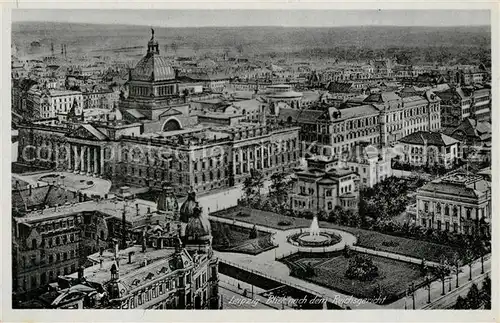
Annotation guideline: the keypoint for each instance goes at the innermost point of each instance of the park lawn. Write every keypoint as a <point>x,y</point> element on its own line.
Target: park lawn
<point>369,239</point>
<point>239,240</point>
<point>394,276</point>
<point>408,247</point>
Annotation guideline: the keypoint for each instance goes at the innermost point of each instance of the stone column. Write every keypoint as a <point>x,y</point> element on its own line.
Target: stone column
<point>75,157</point>
<point>89,163</point>
<point>82,158</point>
<point>101,161</point>
<point>94,151</point>
<point>69,153</point>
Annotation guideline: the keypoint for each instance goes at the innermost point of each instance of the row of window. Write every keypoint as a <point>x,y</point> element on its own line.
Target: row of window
<point>161,288</point>
<point>65,223</point>
<point>273,161</point>
<point>47,276</point>
<point>439,225</point>
<point>55,241</point>
<point>447,208</point>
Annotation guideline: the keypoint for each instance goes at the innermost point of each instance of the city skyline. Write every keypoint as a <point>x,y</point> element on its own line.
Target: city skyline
<point>256,18</point>
<point>170,160</point>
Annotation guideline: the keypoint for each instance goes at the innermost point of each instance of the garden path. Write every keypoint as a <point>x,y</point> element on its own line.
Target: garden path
<point>266,265</point>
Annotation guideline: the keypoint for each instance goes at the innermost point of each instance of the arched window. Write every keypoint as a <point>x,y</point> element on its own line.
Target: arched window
<point>438,208</point>
<point>446,210</point>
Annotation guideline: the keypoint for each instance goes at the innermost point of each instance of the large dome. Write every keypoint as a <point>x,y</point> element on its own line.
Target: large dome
<point>153,67</point>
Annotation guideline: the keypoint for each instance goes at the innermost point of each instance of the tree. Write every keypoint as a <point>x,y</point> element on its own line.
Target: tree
<point>442,271</point>
<point>362,268</point>
<point>474,297</point>
<point>252,185</point>
<point>334,216</point>
<point>461,303</point>
<point>347,251</point>
<point>480,249</point>
<point>457,263</point>
<point>468,259</point>
<point>486,292</point>
<point>280,186</point>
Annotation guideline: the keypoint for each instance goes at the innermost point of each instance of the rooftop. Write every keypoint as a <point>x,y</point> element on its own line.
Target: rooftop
<point>428,138</point>
<point>459,184</point>
<point>142,266</point>
<point>134,210</point>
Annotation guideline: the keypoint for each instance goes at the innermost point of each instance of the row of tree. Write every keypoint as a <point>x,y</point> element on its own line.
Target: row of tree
<point>476,298</point>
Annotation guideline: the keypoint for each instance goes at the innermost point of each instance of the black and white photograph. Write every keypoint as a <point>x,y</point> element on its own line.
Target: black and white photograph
<point>281,160</point>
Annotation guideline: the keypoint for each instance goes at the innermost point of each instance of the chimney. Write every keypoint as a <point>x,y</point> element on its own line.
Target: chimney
<point>149,209</point>
<point>100,263</point>
<point>30,191</point>
<point>80,273</point>
<point>137,208</point>
<point>101,251</point>
<point>130,254</point>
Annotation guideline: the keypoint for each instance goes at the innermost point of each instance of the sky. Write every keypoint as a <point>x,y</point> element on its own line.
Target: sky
<point>230,18</point>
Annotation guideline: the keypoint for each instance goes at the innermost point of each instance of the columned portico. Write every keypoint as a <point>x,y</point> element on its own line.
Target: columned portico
<point>86,159</point>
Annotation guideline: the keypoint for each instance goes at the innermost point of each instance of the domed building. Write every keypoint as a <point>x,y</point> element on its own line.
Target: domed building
<point>197,231</point>
<point>188,207</point>
<point>153,94</point>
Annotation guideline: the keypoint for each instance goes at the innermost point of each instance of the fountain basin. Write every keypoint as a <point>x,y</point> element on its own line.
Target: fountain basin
<point>321,239</point>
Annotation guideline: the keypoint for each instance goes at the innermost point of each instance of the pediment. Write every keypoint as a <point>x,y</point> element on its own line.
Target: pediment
<point>88,133</point>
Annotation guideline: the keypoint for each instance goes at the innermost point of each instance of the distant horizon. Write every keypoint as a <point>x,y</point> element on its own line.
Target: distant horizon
<point>249,26</point>
<point>176,18</point>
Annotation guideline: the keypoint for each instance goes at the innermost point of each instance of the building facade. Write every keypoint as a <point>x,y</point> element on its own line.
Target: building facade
<point>323,185</point>
<point>424,148</point>
<point>50,103</point>
<point>171,265</point>
<point>457,202</point>
<point>401,116</point>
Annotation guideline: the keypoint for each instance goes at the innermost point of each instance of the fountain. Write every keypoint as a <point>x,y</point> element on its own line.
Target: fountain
<point>314,229</point>
<point>314,238</point>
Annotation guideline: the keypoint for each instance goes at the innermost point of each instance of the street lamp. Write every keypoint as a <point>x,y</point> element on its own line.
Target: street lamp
<point>428,287</point>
